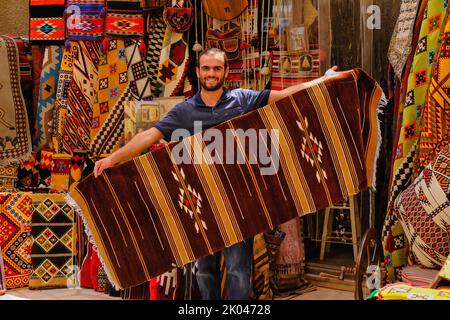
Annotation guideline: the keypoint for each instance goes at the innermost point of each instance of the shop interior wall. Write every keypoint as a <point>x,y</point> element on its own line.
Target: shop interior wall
<point>353,45</point>
<point>14,17</point>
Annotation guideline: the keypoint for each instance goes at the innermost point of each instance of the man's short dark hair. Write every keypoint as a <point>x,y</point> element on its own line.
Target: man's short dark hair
<point>214,51</point>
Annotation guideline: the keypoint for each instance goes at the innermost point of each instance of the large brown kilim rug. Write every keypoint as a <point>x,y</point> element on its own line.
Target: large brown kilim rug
<point>149,215</point>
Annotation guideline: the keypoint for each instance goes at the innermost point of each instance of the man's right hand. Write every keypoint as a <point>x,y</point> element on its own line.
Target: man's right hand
<point>101,165</point>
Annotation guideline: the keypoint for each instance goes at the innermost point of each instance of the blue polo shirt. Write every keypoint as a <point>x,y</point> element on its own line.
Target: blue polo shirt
<point>231,104</point>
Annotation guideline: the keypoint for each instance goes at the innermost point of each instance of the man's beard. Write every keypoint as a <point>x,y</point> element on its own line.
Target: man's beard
<point>212,88</point>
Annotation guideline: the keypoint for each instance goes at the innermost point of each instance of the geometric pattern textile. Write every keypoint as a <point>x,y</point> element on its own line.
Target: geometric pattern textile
<point>418,80</point>
<point>400,45</point>
<point>45,168</point>
<point>61,163</point>
<point>436,112</point>
<point>150,214</point>
<point>156,28</point>
<point>47,94</point>
<point>112,132</point>
<point>25,172</point>
<point>15,237</point>
<point>410,111</point>
<point>173,64</point>
<point>137,71</point>
<point>8,178</point>
<point>424,212</point>
<point>52,252</point>
<point>37,53</point>
<point>81,96</point>
<point>47,24</point>
<point>15,140</point>
<point>124,19</point>
<point>60,109</point>
<point>87,23</point>
<point>112,82</point>
<point>77,163</point>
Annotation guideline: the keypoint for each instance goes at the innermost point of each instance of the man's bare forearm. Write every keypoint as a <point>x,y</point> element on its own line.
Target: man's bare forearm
<point>136,145</point>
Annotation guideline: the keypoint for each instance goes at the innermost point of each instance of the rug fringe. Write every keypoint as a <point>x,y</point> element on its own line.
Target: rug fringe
<point>71,202</point>
<point>382,104</point>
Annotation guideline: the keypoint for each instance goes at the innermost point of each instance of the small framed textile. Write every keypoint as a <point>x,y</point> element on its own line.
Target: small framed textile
<point>297,38</point>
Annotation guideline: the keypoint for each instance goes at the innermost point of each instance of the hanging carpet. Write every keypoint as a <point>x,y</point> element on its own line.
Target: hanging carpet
<point>81,96</point>
<point>47,94</point>
<point>47,24</point>
<point>423,210</point>
<point>435,118</point>
<point>15,238</point>
<point>15,140</point>
<point>410,113</point>
<point>60,109</point>
<point>140,213</point>
<point>85,19</point>
<point>111,133</point>
<point>52,253</point>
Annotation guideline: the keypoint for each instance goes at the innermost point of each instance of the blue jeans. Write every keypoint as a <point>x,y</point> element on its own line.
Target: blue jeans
<point>238,260</point>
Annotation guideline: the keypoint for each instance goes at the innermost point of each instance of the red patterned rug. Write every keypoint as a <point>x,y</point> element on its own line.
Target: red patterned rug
<point>15,238</point>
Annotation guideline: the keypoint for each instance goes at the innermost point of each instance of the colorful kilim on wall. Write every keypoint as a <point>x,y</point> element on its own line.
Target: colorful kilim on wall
<point>137,72</point>
<point>8,178</point>
<point>47,24</point>
<point>154,214</point>
<point>81,96</point>
<point>112,82</point>
<point>15,237</point>
<point>124,19</point>
<point>15,140</point>
<point>52,252</point>
<point>85,21</point>
<point>60,110</point>
<point>435,114</point>
<point>47,94</point>
<point>410,111</point>
<point>111,132</point>
<point>38,58</point>
<point>156,32</point>
<point>173,63</point>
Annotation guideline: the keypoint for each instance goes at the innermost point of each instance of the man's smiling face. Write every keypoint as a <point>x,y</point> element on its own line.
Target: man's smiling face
<point>211,72</point>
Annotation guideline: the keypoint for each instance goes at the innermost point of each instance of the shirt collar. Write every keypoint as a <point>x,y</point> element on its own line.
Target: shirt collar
<point>224,97</point>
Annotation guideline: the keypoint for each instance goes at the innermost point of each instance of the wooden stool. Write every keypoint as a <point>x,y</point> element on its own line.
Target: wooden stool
<point>328,224</point>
